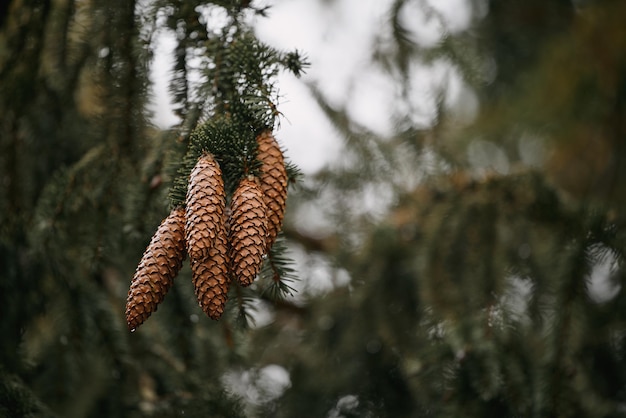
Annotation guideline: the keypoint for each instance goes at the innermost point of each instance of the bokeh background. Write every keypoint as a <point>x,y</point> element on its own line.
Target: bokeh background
<point>458,231</point>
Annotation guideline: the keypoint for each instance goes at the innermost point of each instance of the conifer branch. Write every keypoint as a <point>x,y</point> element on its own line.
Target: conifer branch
<point>277,272</point>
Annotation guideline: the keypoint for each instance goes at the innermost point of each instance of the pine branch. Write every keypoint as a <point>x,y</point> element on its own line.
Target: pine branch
<point>233,147</point>
<point>17,399</point>
<point>277,272</point>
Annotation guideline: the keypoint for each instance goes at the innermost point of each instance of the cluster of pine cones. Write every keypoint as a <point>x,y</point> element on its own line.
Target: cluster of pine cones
<point>223,243</point>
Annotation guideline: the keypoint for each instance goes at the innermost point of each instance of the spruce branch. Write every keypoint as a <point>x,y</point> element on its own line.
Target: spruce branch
<point>277,275</point>
<point>226,109</point>
<point>244,310</point>
<point>232,146</point>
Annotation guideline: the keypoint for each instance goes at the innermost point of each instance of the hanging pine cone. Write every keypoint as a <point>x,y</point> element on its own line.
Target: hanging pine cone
<point>211,278</point>
<point>248,231</point>
<point>273,177</point>
<point>204,212</point>
<point>156,271</point>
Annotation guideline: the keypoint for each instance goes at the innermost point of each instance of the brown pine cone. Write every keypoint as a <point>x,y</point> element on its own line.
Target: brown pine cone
<point>204,212</point>
<point>211,278</point>
<point>248,231</point>
<point>273,179</point>
<point>155,273</point>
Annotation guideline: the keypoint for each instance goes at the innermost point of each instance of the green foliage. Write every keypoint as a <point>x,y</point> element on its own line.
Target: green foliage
<point>475,289</point>
<point>473,299</point>
<point>479,291</point>
<point>277,274</point>
<point>234,147</point>
<point>16,399</point>
<point>221,68</point>
<point>85,183</point>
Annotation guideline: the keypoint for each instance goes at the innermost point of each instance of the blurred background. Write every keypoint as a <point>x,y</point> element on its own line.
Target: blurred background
<point>458,231</point>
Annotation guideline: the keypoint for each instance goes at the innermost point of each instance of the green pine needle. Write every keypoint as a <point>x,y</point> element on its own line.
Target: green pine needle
<point>277,275</point>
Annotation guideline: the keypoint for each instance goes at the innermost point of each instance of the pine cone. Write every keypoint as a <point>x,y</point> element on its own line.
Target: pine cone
<point>248,231</point>
<point>211,278</point>
<point>155,273</point>
<point>273,183</point>
<point>205,203</point>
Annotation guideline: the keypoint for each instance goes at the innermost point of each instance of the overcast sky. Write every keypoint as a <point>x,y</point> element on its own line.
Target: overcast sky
<point>337,37</point>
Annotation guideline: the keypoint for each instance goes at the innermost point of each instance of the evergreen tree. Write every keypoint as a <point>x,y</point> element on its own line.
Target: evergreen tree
<point>87,181</point>
<point>494,287</point>
<point>487,281</point>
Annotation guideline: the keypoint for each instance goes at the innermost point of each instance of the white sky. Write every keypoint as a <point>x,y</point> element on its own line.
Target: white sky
<point>337,37</point>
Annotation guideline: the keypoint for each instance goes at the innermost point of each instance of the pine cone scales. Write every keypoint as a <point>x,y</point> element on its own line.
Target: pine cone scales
<point>204,207</point>
<point>155,273</point>
<point>211,279</point>
<point>273,179</point>
<point>248,231</point>
<point>220,245</point>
